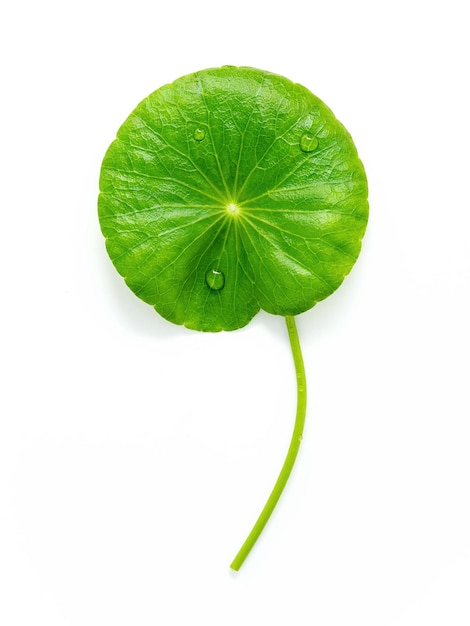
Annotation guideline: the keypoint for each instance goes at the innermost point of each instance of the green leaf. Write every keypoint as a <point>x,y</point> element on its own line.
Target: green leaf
<point>229,191</point>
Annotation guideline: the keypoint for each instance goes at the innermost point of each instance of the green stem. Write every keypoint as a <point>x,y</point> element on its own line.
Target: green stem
<point>291,453</point>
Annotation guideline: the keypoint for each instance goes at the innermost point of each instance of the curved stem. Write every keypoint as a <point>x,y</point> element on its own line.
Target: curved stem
<point>291,453</point>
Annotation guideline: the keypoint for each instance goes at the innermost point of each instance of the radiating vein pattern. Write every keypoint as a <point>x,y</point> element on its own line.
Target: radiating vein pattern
<point>241,176</point>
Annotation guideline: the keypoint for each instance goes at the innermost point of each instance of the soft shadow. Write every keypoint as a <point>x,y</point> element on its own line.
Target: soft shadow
<point>136,315</point>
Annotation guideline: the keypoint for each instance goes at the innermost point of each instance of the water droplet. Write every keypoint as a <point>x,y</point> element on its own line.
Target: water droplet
<point>199,134</point>
<point>215,279</point>
<point>308,142</point>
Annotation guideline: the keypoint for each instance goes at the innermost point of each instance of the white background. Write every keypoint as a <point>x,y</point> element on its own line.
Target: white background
<point>135,455</point>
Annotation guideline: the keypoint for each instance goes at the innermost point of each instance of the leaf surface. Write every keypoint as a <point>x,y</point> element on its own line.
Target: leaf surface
<point>230,190</point>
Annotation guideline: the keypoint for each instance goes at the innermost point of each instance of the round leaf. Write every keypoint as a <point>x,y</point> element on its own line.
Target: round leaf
<point>229,191</point>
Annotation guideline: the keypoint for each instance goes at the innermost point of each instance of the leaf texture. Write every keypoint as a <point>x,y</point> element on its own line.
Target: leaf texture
<point>229,191</point>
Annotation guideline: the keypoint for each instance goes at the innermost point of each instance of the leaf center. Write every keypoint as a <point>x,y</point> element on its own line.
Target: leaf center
<point>233,209</point>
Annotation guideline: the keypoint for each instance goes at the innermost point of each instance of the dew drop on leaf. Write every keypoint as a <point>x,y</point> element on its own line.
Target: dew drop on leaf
<point>199,134</point>
<point>308,142</point>
<point>215,279</point>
